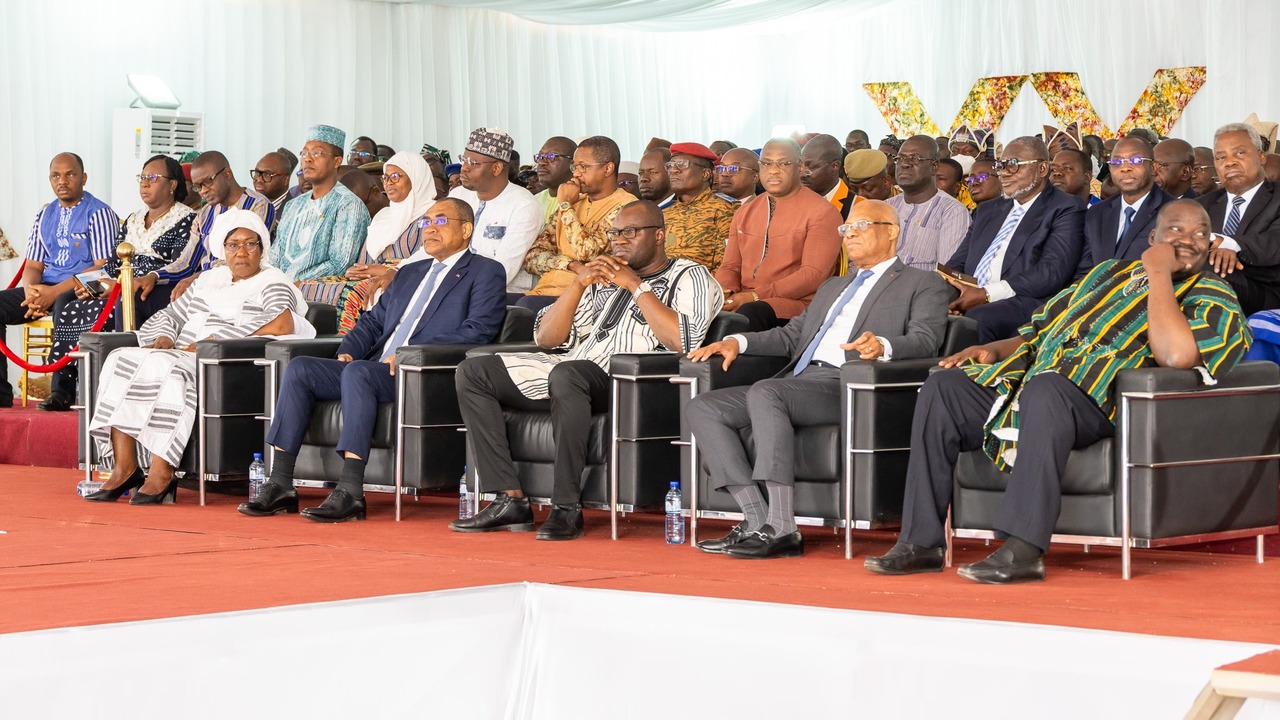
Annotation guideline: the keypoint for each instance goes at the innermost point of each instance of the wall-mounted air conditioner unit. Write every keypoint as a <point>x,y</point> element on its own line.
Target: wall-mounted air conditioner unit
<point>139,133</point>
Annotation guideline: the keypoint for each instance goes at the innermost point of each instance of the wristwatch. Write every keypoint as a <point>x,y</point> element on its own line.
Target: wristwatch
<point>642,288</point>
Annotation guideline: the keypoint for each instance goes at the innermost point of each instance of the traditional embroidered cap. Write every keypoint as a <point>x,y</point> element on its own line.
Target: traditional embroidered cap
<point>428,148</point>
<point>1266,129</point>
<point>491,142</point>
<point>189,156</point>
<point>1071,133</point>
<point>862,164</point>
<point>629,166</point>
<point>693,149</point>
<point>229,221</point>
<point>327,134</point>
<point>983,139</point>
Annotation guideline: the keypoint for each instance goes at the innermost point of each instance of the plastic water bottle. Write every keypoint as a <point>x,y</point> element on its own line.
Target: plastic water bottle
<point>675,521</point>
<point>464,498</point>
<point>88,487</point>
<point>257,476</point>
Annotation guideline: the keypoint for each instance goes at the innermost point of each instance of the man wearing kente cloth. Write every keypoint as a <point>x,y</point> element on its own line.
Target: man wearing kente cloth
<point>1029,400</point>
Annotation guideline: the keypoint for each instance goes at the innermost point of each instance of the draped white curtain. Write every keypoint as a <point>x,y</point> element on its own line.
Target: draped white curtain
<point>405,73</point>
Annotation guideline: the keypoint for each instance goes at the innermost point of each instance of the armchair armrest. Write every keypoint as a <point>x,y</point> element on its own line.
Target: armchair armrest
<point>104,342</point>
<point>645,364</point>
<point>234,348</point>
<point>286,350</point>
<point>870,372</point>
<point>746,369</point>
<point>432,355</point>
<point>495,348</point>
<point>1158,379</point>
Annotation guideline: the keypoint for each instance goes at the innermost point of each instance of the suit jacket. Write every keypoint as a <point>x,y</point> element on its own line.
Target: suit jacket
<point>1258,234</point>
<point>1101,222</point>
<point>906,306</point>
<point>1043,253</point>
<point>468,307</point>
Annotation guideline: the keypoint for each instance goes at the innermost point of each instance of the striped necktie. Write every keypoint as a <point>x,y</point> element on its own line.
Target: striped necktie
<point>1233,219</point>
<point>1002,237</point>
<point>807,356</point>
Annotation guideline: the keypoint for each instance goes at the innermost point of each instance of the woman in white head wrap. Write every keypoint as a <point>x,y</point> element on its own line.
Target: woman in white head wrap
<point>146,403</point>
<point>393,235</point>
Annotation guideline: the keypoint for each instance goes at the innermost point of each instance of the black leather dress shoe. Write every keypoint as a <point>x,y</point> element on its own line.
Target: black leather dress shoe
<point>272,500</point>
<point>1000,569</point>
<point>718,546</point>
<point>340,506</point>
<point>564,523</point>
<point>765,543</point>
<point>504,513</point>
<point>907,559</point>
<point>57,402</point>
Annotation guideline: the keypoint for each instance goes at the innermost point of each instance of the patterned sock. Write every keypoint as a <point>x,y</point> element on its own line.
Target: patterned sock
<point>782,514</point>
<point>282,469</point>
<point>351,478</point>
<point>751,501</point>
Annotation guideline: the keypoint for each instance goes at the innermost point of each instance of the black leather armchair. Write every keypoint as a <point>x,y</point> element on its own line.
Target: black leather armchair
<point>416,446</point>
<point>853,469</point>
<point>630,456</point>
<point>1188,464</point>
<point>229,399</point>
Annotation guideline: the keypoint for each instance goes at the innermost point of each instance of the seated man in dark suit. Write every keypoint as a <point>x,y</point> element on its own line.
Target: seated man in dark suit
<point>1029,400</point>
<point>1023,248</point>
<point>1245,214</point>
<point>634,300</point>
<point>883,311</point>
<point>456,297</point>
<point>1118,228</point>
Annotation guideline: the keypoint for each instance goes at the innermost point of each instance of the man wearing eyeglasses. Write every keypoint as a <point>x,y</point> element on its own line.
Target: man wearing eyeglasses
<point>1117,229</point>
<point>933,222</point>
<point>552,165</point>
<point>633,300</point>
<point>1020,250</point>
<point>322,230</point>
<point>698,221</point>
<point>782,245</point>
<point>456,297</point>
<point>271,179</point>
<point>737,175</point>
<point>213,178</point>
<point>587,204</point>
<point>508,219</point>
<point>1174,161</point>
<point>1204,178</point>
<point>882,310</point>
<point>363,150</point>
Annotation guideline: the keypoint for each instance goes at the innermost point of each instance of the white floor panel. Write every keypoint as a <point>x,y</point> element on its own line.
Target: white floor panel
<point>540,652</point>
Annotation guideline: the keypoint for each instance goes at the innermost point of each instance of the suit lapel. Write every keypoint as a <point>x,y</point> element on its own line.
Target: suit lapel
<point>1260,201</point>
<point>1027,227</point>
<point>1218,211</point>
<point>1107,233</point>
<point>1155,200</point>
<point>814,320</point>
<point>873,295</point>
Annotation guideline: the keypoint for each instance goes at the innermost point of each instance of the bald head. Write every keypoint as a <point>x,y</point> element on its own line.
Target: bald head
<point>271,175</point>
<point>641,212</point>
<point>877,241</point>
<point>560,144</point>
<point>1174,160</point>
<point>67,178</point>
<point>210,158</point>
<point>364,187</point>
<point>820,163</point>
<point>739,184</point>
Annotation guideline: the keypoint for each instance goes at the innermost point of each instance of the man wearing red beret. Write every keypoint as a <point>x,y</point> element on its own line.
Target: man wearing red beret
<point>698,221</point>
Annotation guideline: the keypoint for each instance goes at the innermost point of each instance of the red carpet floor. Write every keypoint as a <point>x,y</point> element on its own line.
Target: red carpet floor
<point>66,562</point>
<point>30,436</point>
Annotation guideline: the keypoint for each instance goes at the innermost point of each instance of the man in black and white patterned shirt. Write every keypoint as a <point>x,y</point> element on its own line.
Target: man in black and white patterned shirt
<point>633,300</point>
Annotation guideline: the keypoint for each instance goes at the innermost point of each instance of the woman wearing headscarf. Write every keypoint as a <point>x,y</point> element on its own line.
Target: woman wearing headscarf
<point>393,235</point>
<point>158,232</point>
<point>146,405</point>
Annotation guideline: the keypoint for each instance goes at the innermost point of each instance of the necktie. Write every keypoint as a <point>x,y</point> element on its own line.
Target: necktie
<point>410,321</point>
<point>807,356</point>
<point>1128,220</point>
<point>1233,219</point>
<point>1006,231</point>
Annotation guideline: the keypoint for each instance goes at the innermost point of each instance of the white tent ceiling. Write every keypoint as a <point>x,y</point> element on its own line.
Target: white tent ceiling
<point>668,15</point>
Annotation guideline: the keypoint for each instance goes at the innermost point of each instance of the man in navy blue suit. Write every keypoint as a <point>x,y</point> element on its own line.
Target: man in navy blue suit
<point>456,297</point>
<point>1022,249</point>
<point>1118,228</point>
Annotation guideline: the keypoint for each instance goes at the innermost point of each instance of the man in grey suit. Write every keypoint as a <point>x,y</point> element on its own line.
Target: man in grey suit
<point>883,311</point>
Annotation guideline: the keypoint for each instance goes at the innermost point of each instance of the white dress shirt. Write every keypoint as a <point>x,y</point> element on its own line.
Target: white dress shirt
<point>998,289</point>
<point>1228,242</point>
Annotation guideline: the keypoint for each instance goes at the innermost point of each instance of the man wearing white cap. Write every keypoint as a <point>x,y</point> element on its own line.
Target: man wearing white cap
<point>323,230</point>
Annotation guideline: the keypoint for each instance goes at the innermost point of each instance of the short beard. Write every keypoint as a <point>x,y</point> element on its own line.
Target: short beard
<point>1020,192</point>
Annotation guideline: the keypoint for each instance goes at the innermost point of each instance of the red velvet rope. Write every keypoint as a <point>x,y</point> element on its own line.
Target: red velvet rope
<point>66,359</point>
